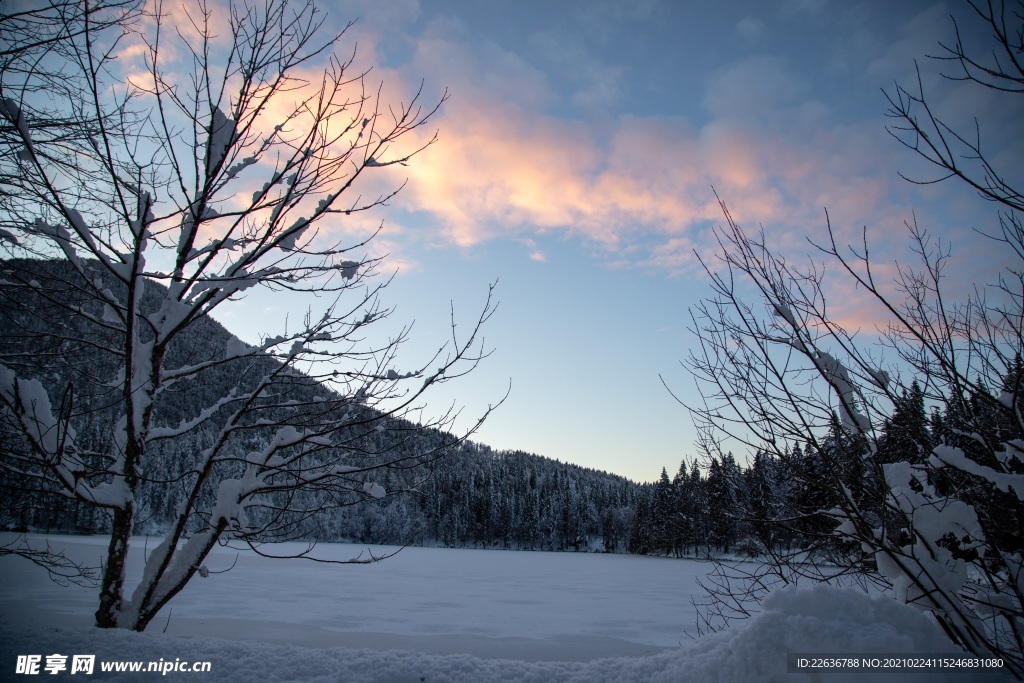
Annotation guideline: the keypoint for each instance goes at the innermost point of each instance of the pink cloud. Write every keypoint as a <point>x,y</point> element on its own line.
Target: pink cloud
<point>497,173</point>
<point>503,168</point>
<point>639,187</point>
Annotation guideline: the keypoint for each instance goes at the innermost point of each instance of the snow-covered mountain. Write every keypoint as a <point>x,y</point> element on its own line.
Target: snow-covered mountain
<point>473,496</point>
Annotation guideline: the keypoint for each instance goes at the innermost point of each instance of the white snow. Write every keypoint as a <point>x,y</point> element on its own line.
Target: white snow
<point>294,233</point>
<point>881,378</point>
<point>110,315</point>
<point>32,407</point>
<point>374,490</point>
<point>235,347</point>
<point>10,109</point>
<point>239,167</point>
<point>944,455</point>
<point>432,614</point>
<point>783,311</point>
<point>837,375</point>
<point>114,493</point>
<point>222,136</point>
<point>349,269</point>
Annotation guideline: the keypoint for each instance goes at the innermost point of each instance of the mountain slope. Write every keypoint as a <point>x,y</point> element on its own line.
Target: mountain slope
<point>471,496</point>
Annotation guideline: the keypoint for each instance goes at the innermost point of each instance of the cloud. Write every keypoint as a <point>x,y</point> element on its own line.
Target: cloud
<point>503,171</point>
<point>750,28</point>
<point>446,52</point>
<point>391,16</point>
<point>916,38</point>
<point>602,20</point>
<point>754,87</point>
<point>674,255</point>
<point>497,173</point>
<point>594,82</point>
<point>500,173</point>
<point>806,7</point>
<point>536,253</point>
<point>510,164</point>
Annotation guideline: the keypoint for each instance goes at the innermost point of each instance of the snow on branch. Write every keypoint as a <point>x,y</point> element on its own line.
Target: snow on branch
<point>186,426</point>
<point>28,400</point>
<point>948,456</point>
<point>222,137</point>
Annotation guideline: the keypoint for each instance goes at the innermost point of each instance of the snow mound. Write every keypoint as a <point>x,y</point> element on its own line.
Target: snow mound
<point>815,620</point>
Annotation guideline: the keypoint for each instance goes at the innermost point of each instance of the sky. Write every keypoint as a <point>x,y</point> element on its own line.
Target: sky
<point>574,166</point>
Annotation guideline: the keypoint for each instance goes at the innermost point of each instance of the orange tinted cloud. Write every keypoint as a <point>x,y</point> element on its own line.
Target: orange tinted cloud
<point>500,172</point>
<point>506,167</point>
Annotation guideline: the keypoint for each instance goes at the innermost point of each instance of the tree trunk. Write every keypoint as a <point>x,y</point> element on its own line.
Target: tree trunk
<point>112,588</point>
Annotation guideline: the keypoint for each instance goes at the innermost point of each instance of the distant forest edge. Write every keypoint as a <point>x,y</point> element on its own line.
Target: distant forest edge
<point>473,496</point>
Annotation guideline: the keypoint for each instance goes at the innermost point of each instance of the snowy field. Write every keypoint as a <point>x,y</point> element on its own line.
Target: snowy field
<point>432,614</point>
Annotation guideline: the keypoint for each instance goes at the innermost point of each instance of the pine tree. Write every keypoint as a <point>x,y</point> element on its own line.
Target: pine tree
<point>810,498</point>
<point>696,509</point>
<point>679,526</point>
<point>905,434</point>
<point>661,515</point>
<point>641,540</point>
<point>760,500</point>
<point>721,499</point>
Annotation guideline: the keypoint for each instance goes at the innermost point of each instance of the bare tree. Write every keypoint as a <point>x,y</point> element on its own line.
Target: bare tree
<point>136,208</point>
<point>937,521</point>
<point>62,569</point>
<point>32,29</point>
<point>958,153</point>
<point>940,529</point>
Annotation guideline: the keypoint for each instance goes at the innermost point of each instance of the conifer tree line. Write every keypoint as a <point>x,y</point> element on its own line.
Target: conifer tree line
<point>476,496</point>
<point>773,506</point>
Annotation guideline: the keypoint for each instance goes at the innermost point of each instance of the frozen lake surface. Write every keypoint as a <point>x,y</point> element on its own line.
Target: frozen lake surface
<point>434,614</point>
<point>549,605</point>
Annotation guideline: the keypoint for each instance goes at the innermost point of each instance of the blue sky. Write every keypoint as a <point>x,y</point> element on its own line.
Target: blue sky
<point>574,165</point>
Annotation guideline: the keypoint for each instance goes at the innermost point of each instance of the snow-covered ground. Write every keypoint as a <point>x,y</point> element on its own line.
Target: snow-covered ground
<point>432,614</point>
